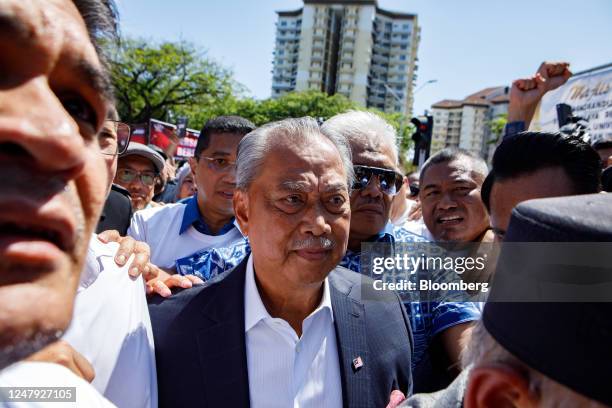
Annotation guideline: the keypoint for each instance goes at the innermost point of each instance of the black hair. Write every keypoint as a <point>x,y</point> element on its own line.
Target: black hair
<point>450,154</point>
<point>220,125</point>
<point>602,145</point>
<point>102,21</point>
<point>527,152</point>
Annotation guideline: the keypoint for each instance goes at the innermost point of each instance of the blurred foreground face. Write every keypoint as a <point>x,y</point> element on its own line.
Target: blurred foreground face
<point>296,213</point>
<point>451,203</point>
<point>54,175</point>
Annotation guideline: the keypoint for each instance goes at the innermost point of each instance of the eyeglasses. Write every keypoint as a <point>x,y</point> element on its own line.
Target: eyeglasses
<point>389,181</point>
<point>114,138</point>
<point>128,175</point>
<point>219,164</point>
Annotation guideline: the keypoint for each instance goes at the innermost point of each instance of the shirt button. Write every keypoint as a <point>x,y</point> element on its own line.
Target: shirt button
<point>298,347</point>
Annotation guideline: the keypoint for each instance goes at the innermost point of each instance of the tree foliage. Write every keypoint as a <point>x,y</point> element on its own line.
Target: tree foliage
<point>294,105</point>
<point>497,126</point>
<point>168,80</point>
<point>152,81</point>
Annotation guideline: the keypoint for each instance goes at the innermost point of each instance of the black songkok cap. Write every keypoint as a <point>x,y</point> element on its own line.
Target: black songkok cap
<point>570,343</point>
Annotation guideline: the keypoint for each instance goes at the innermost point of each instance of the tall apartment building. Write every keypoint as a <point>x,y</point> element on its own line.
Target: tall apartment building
<point>349,47</point>
<point>465,123</point>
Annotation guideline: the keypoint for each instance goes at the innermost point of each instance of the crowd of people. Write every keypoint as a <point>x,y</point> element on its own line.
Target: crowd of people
<point>237,278</point>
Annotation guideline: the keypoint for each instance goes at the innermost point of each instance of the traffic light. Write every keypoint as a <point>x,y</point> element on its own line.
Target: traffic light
<point>421,138</point>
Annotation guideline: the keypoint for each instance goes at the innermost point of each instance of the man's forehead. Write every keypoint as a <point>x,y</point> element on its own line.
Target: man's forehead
<point>375,158</point>
<point>34,19</point>
<point>288,168</point>
<point>223,142</point>
<point>300,181</point>
<point>57,30</point>
<point>456,170</point>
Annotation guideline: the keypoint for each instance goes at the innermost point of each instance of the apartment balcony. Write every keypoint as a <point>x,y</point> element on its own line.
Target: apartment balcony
<point>287,37</point>
<point>318,46</point>
<point>400,41</point>
<point>379,58</point>
<point>396,81</point>
<point>318,35</point>
<point>348,46</point>
<point>316,57</point>
<point>282,85</point>
<point>375,100</point>
<point>378,69</point>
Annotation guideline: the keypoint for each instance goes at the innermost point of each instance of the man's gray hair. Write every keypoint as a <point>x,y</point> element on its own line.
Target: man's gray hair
<point>483,349</point>
<point>450,154</point>
<point>253,148</point>
<point>360,127</point>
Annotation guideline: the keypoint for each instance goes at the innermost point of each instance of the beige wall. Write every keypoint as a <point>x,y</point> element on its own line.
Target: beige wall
<point>305,53</point>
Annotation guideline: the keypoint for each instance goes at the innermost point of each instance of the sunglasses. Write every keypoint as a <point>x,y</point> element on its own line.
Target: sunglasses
<point>389,181</point>
<point>127,176</point>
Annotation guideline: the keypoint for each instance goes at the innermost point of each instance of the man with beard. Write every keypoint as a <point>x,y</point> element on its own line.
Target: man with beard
<point>286,327</point>
<point>53,103</point>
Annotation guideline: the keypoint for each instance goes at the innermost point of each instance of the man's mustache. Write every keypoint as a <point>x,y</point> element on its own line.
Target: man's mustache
<point>314,243</point>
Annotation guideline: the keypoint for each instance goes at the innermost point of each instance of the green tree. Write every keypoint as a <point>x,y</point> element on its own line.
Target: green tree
<point>497,126</point>
<point>296,104</point>
<point>155,80</point>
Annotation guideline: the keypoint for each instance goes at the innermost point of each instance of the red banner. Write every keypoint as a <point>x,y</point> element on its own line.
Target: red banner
<point>163,135</point>
<point>186,145</point>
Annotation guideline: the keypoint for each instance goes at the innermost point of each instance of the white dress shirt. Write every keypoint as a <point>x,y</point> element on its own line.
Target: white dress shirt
<point>112,329</point>
<point>284,370</point>
<point>38,374</point>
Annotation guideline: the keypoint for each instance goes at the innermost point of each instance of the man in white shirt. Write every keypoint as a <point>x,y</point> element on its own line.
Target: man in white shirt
<point>54,175</point>
<point>206,219</point>
<point>280,330</point>
<point>111,328</point>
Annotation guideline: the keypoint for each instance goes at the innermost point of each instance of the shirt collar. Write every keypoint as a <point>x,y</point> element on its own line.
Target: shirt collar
<point>254,307</point>
<point>192,216</point>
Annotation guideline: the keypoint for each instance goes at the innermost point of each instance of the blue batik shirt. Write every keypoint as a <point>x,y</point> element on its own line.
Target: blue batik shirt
<point>427,318</point>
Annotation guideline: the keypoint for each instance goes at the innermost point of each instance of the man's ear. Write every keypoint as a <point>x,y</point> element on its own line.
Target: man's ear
<point>241,210</point>
<point>193,165</point>
<point>498,386</point>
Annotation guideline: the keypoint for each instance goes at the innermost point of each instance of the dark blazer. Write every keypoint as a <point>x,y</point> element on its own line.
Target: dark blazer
<point>117,211</point>
<point>200,346</point>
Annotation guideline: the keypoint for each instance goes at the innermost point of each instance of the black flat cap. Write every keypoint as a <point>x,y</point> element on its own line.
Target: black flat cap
<point>569,342</point>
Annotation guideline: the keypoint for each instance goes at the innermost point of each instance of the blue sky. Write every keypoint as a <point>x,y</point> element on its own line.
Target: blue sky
<point>466,45</point>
